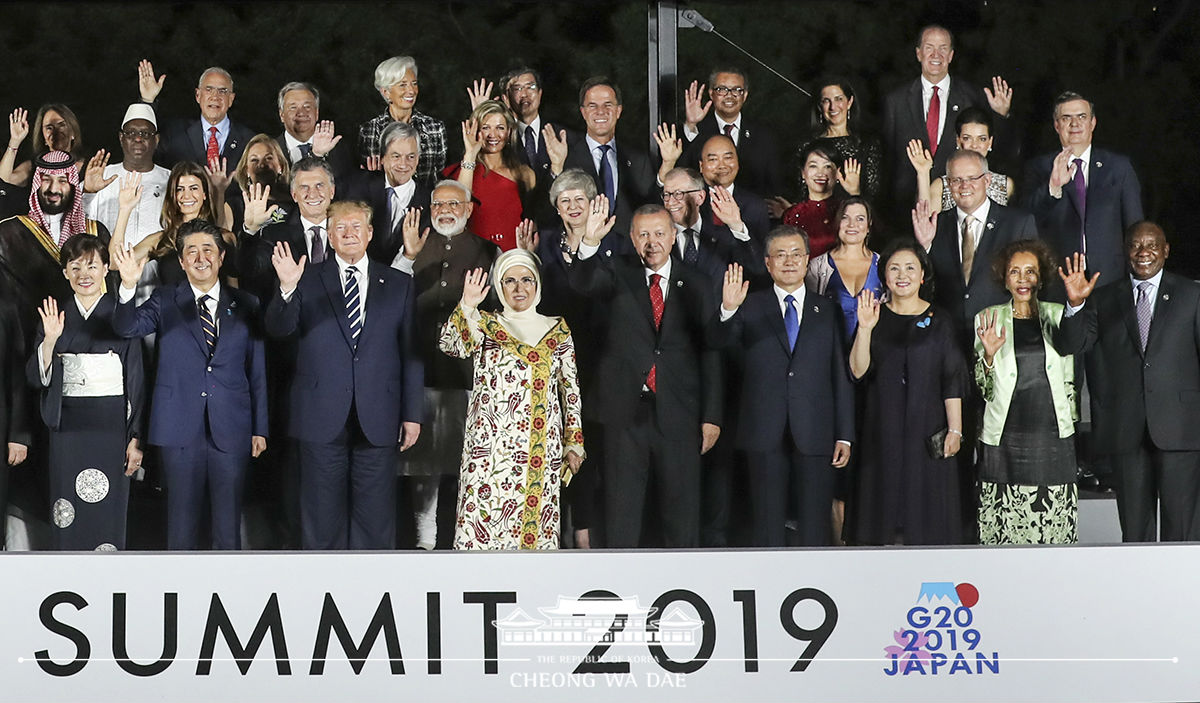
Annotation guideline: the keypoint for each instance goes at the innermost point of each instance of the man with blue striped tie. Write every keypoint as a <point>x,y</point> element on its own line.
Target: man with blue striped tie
<point>209,410</point>
<point>358,384</point>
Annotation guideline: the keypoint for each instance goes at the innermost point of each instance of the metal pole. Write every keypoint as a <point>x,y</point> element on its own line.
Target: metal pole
<point>663,79</point>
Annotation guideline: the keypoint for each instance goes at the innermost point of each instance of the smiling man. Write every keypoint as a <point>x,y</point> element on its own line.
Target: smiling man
<point>392,191</point>
<point>139,142</point>
<point>213,135</point>
<point>304,134</point>
<point>728,90</point>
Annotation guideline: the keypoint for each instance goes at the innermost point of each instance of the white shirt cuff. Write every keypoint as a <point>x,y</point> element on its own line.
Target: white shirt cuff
<point>726,314</point>
<point>403,263</point>
<point>742,235</point>
<point>124,295</point>
<point>690,133</point>
<point>1071,310</point>
<point>587,251</point>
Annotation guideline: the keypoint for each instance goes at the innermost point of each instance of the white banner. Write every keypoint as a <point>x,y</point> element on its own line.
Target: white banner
<point>1094,624</point>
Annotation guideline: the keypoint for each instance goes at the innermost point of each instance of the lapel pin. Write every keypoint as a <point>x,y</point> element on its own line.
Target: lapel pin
<point>629,164</point>
<point>816,309</point>
<point>679,284</point>
<point>1099,164</point>
<point>991,225</point>
<point>954,108</point>
<point>1166,296</point>
<point>381,281</point>
<point>746,133</point>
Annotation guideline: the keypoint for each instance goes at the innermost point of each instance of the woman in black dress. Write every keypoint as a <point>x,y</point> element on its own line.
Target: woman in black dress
<point>92,390</point>
<point>906,488</point>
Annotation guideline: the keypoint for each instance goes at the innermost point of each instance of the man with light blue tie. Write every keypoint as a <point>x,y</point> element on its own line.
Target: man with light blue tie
<point>621,172</point>
<point>796,413</point>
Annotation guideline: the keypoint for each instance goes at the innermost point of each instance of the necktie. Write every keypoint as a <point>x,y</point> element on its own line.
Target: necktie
<point>729,133</point>
<point>1144,312</point>
<point>531,148</point>
<point>316,250</point>
<point>213,150</point>
<point>607,180</point>
<point>305,151</point>
<point>656,304</point>
<point>968,248</point>
<point>396,211</point>
<point>690,252</point>
<point>791,322</point>
<point>1081,198</point>
<point>931,120</point>
<point>207,325</point>
<point>353,304</point>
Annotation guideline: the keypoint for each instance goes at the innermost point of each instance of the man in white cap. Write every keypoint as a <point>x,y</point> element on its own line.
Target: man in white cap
<point>102,182</point>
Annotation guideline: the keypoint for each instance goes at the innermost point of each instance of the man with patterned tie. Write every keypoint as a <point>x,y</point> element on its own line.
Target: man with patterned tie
<point>358,384</point>
<point>698,242</point>
<point>926,109</point>
<point>213,136</point>
<point>29,258</point>
<point>1142,333</point>
<point>1084,198</point>
<point>661,399</point>
<point>209,408</point>
<point>796,418</point>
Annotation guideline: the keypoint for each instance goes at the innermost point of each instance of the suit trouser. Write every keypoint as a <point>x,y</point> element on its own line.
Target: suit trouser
<point>783,475</point>
<point>198,472</point>
<point>632,453</point>
<point>347,492</point>
<point>1150,474</point>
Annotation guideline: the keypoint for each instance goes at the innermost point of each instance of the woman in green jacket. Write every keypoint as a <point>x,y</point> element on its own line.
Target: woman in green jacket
<point>1027,492</point>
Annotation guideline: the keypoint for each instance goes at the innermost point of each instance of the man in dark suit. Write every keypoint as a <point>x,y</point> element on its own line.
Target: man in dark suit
<point>699,243</point>
<point>357,390</point>
<point>214,135</point>
<point>1143,333</point>
<point>523,94</point>
<point>622,173</point>
<point>391,192</point>
<point>796,417</point>
<point>209,409</point>
<point>720,166</point>
<point>661,397</point>
<point>926,108</point>
<point>304,134</point>
<point>962,241</point>
<point>756,144</point>
<point>1083,198</point>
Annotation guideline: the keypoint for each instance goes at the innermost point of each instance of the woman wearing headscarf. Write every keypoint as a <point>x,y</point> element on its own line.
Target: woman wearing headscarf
<point>524,434</point>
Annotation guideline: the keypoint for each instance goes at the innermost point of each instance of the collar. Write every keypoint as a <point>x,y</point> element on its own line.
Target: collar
<point>404,191</point>
<point>1155,281</point>
<point>87,312</point>
<point>665,271</point>
<point>222,126</point>
<point>737,123</point>
<point>943,86</point>
<point>536,124</point>
<point>593,144</point>
<point>1086,156</point>
<point>780,294</point>
<point>342,264</point>
<point>980,214</point>
<point>292,142</point>
<point>307,224</point>
<point>695,226</point>
<point>214,292</point>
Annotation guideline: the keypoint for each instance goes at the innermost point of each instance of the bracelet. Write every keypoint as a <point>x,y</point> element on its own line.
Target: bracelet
<point>12,148</point>
<point>986,365</point>
<point>954,431</point>
<point>467,165</point>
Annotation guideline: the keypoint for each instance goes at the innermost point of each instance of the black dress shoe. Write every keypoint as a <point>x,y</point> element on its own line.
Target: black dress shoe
<point>1087,480</point>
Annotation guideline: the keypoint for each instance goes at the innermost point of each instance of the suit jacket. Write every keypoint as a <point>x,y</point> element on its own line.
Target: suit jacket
<point>340,160</point>
<point>371,188</point>
<point>962,301</point>
<point>904,120</point>
<point>1114,201</point>
<point>636,184</point>
<point>380,378</point>
<point>14,400</point>
<point>688,371</point>
<point>758,154</point>
<point>718,248</point>
<point>804,395</point>
<point>186,140</point>
<point>255,271</point>
<point>538,199</point>
<point>228,391</point>
<point>1134,392</point>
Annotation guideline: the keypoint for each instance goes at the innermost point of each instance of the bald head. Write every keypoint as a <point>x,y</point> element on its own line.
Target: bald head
<point>719,161</point>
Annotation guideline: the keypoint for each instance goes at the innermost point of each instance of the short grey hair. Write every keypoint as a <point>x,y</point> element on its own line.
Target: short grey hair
<point>310,163</point>
<point>451,183</point>
<point>219,71</point>
<point>572,179</point>
<point>299,85</point>
<point>695,181</point>
<point>389,71</point>
<point>968,155</point>
<point>398,130</point>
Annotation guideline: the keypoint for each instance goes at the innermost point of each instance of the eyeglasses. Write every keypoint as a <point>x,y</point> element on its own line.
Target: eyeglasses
<point>1072,119</point>
<point>794,255</point>
<point>960,182</point>
<point>678,194</point>
<point>523,87</point>
<point>525,281</point>
<point>138,133</point>
<point>445,204</point>
<point>729,90</point>
<point>211,89</point>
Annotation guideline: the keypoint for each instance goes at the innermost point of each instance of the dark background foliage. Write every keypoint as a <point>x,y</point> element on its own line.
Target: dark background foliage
<point>1136,59</point>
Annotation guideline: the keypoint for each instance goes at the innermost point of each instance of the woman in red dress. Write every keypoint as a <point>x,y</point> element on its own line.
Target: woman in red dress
<point>492,170</point>
<point>823,171</point>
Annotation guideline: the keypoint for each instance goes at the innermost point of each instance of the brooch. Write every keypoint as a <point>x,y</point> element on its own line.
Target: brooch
<point>924,323</point>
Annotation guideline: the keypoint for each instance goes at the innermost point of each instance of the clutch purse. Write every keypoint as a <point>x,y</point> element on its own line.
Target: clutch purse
<point>935,444</point>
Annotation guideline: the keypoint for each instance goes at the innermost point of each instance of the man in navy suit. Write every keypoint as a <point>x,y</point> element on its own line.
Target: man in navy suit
<point>622,172</point>
<point>1084,198</point>
<point>523,94</point>
<point>391,192</point>
<point>698,242</point>
<point>797,407</point>
<point>358,384</point>
<point>198,140</point>
<point>754,141</point>
<point>954,251</point>
<point>209,409</point>
<point>305,135</point>
<point>926,109</point>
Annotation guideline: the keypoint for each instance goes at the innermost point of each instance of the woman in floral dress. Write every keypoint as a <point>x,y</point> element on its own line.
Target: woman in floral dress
<point>523,436</point>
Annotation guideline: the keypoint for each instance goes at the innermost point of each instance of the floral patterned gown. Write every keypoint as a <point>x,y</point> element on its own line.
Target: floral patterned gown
<point>523,414</point>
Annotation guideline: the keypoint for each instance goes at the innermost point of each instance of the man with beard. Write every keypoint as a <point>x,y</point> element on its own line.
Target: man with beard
<point>392,191</point>
<point>439,263</point>
<point>30,270</point>
<point>139,140</point>
<point>214,135</point>
<point>304,134</point>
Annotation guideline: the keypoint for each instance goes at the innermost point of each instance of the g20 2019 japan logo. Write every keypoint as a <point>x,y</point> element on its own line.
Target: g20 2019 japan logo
<point>940,636</point>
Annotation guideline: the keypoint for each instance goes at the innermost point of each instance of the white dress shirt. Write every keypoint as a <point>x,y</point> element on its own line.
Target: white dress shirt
<point>977,229</point>
<point>594,148</point>
<point>293,147</point>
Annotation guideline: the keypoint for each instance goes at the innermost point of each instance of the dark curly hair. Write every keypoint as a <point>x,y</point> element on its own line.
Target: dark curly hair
<point>1037,247</point>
